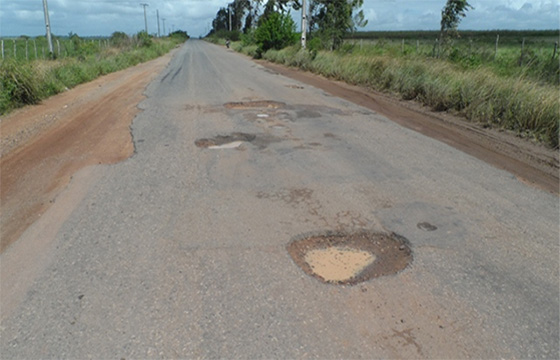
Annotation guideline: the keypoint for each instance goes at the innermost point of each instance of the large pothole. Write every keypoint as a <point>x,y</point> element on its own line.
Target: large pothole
<point>225,141</point>
<point>340,258</point>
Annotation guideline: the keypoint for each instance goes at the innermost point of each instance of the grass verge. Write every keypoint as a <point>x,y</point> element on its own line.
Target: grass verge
<point>30,82</point>
<point>528,107</point>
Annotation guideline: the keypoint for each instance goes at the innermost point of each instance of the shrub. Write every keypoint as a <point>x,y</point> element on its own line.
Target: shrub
<point>276,32</point>
<point>18,86</point>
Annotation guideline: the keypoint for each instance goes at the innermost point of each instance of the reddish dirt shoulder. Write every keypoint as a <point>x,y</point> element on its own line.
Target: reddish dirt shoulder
<point>532,163</point>
<point>44,145</point>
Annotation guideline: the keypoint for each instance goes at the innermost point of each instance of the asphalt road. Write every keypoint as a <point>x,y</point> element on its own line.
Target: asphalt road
<point>180,251</point>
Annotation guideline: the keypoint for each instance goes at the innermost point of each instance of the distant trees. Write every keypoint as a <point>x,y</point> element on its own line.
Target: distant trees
<point>330,21</point>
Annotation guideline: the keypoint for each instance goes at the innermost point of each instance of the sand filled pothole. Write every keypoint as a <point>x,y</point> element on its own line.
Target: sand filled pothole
<point>337,263</point>
<point>340,258</point>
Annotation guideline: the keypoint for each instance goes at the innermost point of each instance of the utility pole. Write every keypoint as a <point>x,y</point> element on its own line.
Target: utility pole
<point>158,33</point>
<point>48,26</point>
<point>229,8</point>
<point>145,18</point>
<point>304,24</point>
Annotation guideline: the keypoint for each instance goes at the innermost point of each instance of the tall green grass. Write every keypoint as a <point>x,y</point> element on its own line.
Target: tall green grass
<point>23,83</point>
<point>519,103</point>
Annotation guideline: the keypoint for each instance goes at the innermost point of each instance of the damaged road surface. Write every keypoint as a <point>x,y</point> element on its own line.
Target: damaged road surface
<point>260,217</point>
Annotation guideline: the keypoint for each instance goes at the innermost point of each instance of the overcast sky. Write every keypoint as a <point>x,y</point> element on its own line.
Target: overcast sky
<point>103,17</point>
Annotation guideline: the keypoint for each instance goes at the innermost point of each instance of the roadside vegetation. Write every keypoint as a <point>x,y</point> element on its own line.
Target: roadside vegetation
<point>28,75</point>
<point>500,79</point>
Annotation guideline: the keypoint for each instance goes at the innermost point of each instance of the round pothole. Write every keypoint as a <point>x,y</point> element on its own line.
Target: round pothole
<point>340,258</point>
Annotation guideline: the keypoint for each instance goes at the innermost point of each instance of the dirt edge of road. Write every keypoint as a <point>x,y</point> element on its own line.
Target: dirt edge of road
<point>44,145</point>
<point>531,163</point>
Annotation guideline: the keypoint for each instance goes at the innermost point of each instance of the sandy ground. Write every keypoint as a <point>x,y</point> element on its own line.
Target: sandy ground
<point>42,146</point>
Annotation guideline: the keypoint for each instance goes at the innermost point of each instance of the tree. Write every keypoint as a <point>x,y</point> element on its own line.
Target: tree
<point>451,16</point>
<point>276,32</point>
<point>221,20</point>
<point>333,19</point>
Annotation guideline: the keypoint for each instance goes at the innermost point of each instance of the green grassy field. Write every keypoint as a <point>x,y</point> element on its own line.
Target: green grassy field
<point>518,53</point>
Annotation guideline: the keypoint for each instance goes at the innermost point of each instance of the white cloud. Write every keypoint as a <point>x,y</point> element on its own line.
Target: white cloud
<point>103,17</point>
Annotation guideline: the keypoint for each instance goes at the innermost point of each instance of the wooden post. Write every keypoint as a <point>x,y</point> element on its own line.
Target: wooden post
<point>15,50</point>
<point>58,47</point>
<point>2,49</point>
<point>26,50</point>
<point>553,54</point>
<point>402,46</point>
<point>522,51</point>
<point>417,45</point>
<point>35,46</point>
<point>497,41</point>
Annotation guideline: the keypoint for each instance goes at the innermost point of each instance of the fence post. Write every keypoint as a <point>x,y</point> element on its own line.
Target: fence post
<point>417,45</point>
<point>497,41</point>
<point>58,46</point>
<point>35,46</point>
<point>15,50</point>
<point>2,49</point>
<point>402,46</point>
<point>26,50</point>
<point>522,52</point>
<point>553,54</point>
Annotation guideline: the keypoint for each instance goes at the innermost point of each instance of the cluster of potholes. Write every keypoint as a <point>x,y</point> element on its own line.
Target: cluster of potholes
<point>350,258</point>
<point>335,258</point>
<point>236,139</point>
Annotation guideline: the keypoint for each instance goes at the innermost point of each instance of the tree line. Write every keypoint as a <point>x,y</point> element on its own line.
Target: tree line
<point>268,23</point>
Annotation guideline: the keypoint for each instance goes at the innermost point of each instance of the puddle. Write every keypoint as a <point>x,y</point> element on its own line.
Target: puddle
<point>268,104</point>
<point>340,258</point>
<point>225,141</point>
